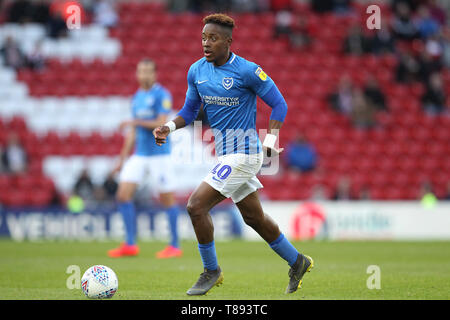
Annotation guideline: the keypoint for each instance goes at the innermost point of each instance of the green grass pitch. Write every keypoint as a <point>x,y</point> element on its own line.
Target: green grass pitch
<point>408,270</point>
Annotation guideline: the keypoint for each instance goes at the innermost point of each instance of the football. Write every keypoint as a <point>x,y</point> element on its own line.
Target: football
<point>99,282</point>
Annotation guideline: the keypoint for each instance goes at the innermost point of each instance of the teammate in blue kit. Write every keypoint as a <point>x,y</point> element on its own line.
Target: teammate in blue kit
<point>150,107</point>
<point>227,86</point>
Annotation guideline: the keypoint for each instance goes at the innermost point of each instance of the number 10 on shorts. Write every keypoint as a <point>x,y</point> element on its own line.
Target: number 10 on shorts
<point>221,172</point>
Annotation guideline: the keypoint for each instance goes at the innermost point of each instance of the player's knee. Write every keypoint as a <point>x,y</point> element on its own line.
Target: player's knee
<point>122,196</point>
<point>194,208</point>
<point>252,220</point>
<point>167,199</point>
<point>191,208</point>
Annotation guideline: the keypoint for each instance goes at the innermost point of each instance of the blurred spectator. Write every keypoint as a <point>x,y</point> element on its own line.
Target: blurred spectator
<point>41,11</point>
<point>427,196</point>
<point>300,36</point>
<point>434,99</point>
<point>426,25</point>
<point>83,186</point>
<point>301,154</point>
<point>437,12</point>
<point>412,4</point>
<point>341,100</point>
<point>105,13</point>
<point>319,193</point>
<point>434,46</point>
<point>110,187</point>
<point>196,5</point>
<point>407,69</point>
<point>283,23</point>
<point>354,103</point>
<point>427,66</point>
<point>75,204</point>
<point>36,58</point>
<point>363,112</point>
<point>355,42</point>
<point>364,193</point>
<point>277,5</point>
<point>261,5</point>
<point>447,196</point>
<point>3,167</point>
<point>342,6</point>
<point>446,47</point>
<point>238,5</point>
<point>322,6</point>
<point>223,5</point>
<point>56,26</point>
<point>23,11</point>
<point>14,157</point>
<point>383,41</point>
<point>12,54</point>
<point>99,195</point>
<point>374,95</point>
<point>20,11</point>
<point>56,198</point>
<point>403,26</point>
<point>343,190</point>
<point>177,6</point>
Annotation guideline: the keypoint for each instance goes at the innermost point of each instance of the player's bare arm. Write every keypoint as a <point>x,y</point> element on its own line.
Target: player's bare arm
<point>127,147</point>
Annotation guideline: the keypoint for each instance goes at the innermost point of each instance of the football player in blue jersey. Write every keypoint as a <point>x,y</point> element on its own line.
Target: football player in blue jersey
<point>151,105</point>
<point>227,85</point>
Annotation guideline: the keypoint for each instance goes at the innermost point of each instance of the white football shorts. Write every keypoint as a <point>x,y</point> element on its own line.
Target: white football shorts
<point>158,170</point>
<point>234,175</point>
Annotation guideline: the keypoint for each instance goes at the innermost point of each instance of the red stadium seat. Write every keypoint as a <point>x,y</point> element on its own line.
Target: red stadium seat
<point>40,198</point>
<point>25,182</point>
<point>5,183</point>
<point>12,198</point>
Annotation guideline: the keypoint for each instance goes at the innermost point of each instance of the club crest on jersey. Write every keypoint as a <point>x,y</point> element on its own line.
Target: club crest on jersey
<point>227,82</point>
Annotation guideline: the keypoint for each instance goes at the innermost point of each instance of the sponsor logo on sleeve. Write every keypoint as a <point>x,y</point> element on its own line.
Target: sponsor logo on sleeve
<point>261,74</point>
<point>167,104</point>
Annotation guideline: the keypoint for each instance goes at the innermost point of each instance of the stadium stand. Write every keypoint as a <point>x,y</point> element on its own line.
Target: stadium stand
<point>67,115</point>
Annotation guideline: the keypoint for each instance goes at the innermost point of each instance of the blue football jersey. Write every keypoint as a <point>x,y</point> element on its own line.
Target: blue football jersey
<point>229,93</point>
<point>149,105</point>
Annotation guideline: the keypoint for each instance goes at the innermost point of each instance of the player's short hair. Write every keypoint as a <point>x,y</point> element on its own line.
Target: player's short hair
<point>148,60</point>
<point>221,19</point>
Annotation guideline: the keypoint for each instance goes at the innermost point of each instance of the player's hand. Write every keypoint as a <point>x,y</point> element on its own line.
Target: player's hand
<point>117,167</point>
<point>272,152</point>
<point>161,134</point>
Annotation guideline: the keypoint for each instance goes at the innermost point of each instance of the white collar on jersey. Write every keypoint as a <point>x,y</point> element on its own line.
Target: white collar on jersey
<point>232,59</point>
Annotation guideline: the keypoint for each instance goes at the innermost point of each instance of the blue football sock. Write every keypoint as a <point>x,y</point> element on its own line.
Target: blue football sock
<point>172,214</point>
<point>129,218</point>
<point>208,254</point>
<point>285,249</point>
